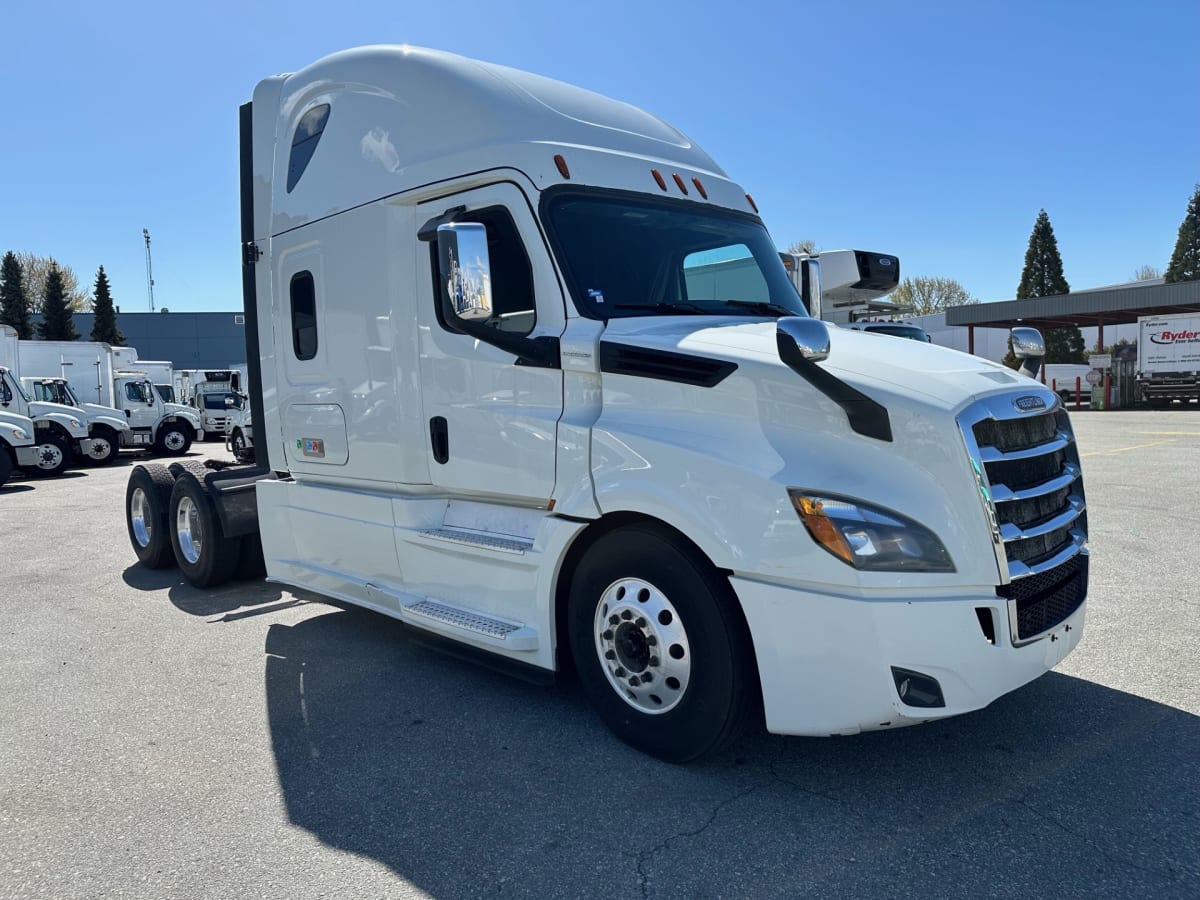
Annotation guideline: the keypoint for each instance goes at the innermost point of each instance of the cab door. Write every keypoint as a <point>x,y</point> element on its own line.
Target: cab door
<point>491,421</point>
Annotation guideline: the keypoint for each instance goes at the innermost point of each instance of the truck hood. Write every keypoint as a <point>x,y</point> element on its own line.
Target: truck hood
<point>873,363</point>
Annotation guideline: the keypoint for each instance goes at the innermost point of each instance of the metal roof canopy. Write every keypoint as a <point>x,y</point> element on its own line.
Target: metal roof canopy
<point>1119,305</point>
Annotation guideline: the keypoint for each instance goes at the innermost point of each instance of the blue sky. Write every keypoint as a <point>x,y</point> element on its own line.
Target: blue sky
<point>935,131</point>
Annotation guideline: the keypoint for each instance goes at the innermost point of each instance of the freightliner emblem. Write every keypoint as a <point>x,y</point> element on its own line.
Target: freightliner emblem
<point>1029,404</point>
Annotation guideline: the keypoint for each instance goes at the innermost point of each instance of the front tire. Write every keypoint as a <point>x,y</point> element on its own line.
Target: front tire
<point>6,465</point>
<point>206,557</point>
<point>660,645</point>
<point>174,439</point>
<point>104,449</point>
<point>147,501</point>
<point>52,456</point>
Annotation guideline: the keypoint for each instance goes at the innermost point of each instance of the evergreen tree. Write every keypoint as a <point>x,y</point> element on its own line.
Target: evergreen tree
<point>14,305</point>
<point>104,326</point>
<point>1043,272</point>
<point>1185,261</point>
<point>58,323</point>
<point>1043,277</point>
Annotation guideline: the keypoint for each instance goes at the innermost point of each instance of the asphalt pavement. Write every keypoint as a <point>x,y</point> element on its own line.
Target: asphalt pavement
<point>161,741</point>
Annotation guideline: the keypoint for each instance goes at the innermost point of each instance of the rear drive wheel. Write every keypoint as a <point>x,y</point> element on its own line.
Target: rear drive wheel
<point>104,447</point>
<point>52,456</point>
<point>660,645</point>
<point>147,500</point>
<point>205,555</point>
<point>174,439</point>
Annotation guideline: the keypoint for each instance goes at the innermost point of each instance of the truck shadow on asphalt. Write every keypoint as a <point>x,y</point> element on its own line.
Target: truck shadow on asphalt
<point>466,783</point>
<point>234,600</point>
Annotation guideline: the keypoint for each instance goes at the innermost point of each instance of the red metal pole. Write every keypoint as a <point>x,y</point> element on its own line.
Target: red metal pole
<point>1078,391</point>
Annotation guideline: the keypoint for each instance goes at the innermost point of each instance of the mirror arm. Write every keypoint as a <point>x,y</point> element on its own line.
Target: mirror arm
<point>540,352</point>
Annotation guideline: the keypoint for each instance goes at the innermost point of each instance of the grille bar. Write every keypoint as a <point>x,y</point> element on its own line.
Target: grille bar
<point>1002,493</point>
<point>1011,532</point>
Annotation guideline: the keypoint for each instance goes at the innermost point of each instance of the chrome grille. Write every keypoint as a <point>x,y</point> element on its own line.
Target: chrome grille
<point>1027,467</point>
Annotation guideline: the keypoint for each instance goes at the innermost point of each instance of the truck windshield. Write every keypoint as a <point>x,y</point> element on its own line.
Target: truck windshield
<point>54,392</point>
<point>217,401</point>
<point>166,391</point>
<point>19,389</point>
<point>627,256</point>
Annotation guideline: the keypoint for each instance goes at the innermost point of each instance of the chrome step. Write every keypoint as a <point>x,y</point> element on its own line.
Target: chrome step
<point>438,616</point>
<point>502,543</point>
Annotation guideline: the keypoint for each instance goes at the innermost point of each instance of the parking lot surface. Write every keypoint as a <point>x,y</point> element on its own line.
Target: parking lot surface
<point>161,741</point>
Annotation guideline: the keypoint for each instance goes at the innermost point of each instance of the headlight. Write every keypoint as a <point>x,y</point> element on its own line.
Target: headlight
<point>20,435</point>
<point>868,537</point>
<point>75,423</point>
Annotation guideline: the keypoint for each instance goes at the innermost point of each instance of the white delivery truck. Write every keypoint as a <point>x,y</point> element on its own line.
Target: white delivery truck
<point>100,390</point>
<point>213,393</point>
<point>1168,359</point>
<point>494,401</point>
<point>17,447</point>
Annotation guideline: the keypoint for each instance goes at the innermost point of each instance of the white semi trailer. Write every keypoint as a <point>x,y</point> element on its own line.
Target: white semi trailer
<point>100,389</point>
<point>499,399</point>
<point>1168,360</point>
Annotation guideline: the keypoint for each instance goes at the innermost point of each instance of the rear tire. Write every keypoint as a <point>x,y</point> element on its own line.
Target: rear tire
<point>147,501</point>
<point>645,606</point>
<point>206,557</point>
<point>52,456</point>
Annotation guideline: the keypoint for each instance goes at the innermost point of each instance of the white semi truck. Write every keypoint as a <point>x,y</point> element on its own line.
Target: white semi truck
<point>101,390</point>
<point>1168,359</point>
<point>499,399</point>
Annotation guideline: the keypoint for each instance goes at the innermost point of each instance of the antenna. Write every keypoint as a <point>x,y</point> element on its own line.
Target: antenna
<point>149,270</point>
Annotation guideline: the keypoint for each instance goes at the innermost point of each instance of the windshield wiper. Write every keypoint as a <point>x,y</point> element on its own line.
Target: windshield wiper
<point>687,309</point>
<point>765,307</point>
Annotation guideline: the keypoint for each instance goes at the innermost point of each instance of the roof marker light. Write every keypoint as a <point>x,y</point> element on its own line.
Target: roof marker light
<point>700,188</point>
<point>680,184</point>
<point>658,177</point>
<point>562,166</point>
<point>753,205</point>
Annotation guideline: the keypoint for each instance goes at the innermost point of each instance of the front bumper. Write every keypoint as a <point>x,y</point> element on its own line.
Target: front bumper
<point>825,661</point>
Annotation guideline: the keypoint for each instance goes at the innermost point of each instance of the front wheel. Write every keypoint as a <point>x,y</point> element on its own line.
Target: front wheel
<point>174,439</point>
<point>52,456</point>
<point>104,448</point>
<point>660,646</point>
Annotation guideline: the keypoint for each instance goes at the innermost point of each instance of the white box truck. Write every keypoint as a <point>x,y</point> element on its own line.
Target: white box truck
<point>1168,359</point>
<point>498,399</point>
<point>100,391</point>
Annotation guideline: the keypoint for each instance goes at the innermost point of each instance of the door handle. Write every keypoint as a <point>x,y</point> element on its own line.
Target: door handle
<point>439,439</point>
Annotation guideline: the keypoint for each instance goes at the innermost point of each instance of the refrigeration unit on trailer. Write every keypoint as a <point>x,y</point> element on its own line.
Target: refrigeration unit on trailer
<point>100,391</point>
<point>1168,359</point>
<point>499,398</point>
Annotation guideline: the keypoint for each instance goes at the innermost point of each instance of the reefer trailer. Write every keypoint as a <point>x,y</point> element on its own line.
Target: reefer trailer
<point>1168,359</point>
<point>493,400</point>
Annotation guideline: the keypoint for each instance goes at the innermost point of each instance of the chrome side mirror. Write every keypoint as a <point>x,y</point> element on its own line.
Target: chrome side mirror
<point>807,337</point>
<point>465,269</point>
<point>1029,347</point>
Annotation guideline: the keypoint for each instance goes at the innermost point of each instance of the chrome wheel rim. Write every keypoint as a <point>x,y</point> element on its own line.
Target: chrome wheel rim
<point>101,448</point>
<point>642,646</point>
<point>174,440</point>
<point>49,456</point>
<point>139,508</point>
<point>189,532</point>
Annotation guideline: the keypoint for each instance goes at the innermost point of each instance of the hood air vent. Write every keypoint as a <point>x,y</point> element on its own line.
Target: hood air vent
<point>641,362</point>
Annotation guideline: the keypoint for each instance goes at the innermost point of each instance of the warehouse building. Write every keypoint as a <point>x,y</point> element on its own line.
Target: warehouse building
<point>190,340</point>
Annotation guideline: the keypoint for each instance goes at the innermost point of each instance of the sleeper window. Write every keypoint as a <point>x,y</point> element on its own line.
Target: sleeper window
<point>304,142</point>
<point>304,315</point>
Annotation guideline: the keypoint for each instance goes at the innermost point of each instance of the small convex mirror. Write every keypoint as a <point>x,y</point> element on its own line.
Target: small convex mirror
<point>465,269</point>
<point>809,338</point>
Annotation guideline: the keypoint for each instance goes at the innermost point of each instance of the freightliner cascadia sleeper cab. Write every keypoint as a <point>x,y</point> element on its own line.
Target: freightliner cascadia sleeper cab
<point>500,395</point>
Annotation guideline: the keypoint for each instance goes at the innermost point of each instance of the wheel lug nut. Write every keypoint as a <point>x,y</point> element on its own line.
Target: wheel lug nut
<point>607,635</point>
<point>654,661</point>
<point>641,623</point>
<point>634,681</point>
<point>613,620</point>
<point>651,640</point>
<point>647,678</point>
<point>626,615</point>
<point>610,654</point>
<point>620,673</point>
